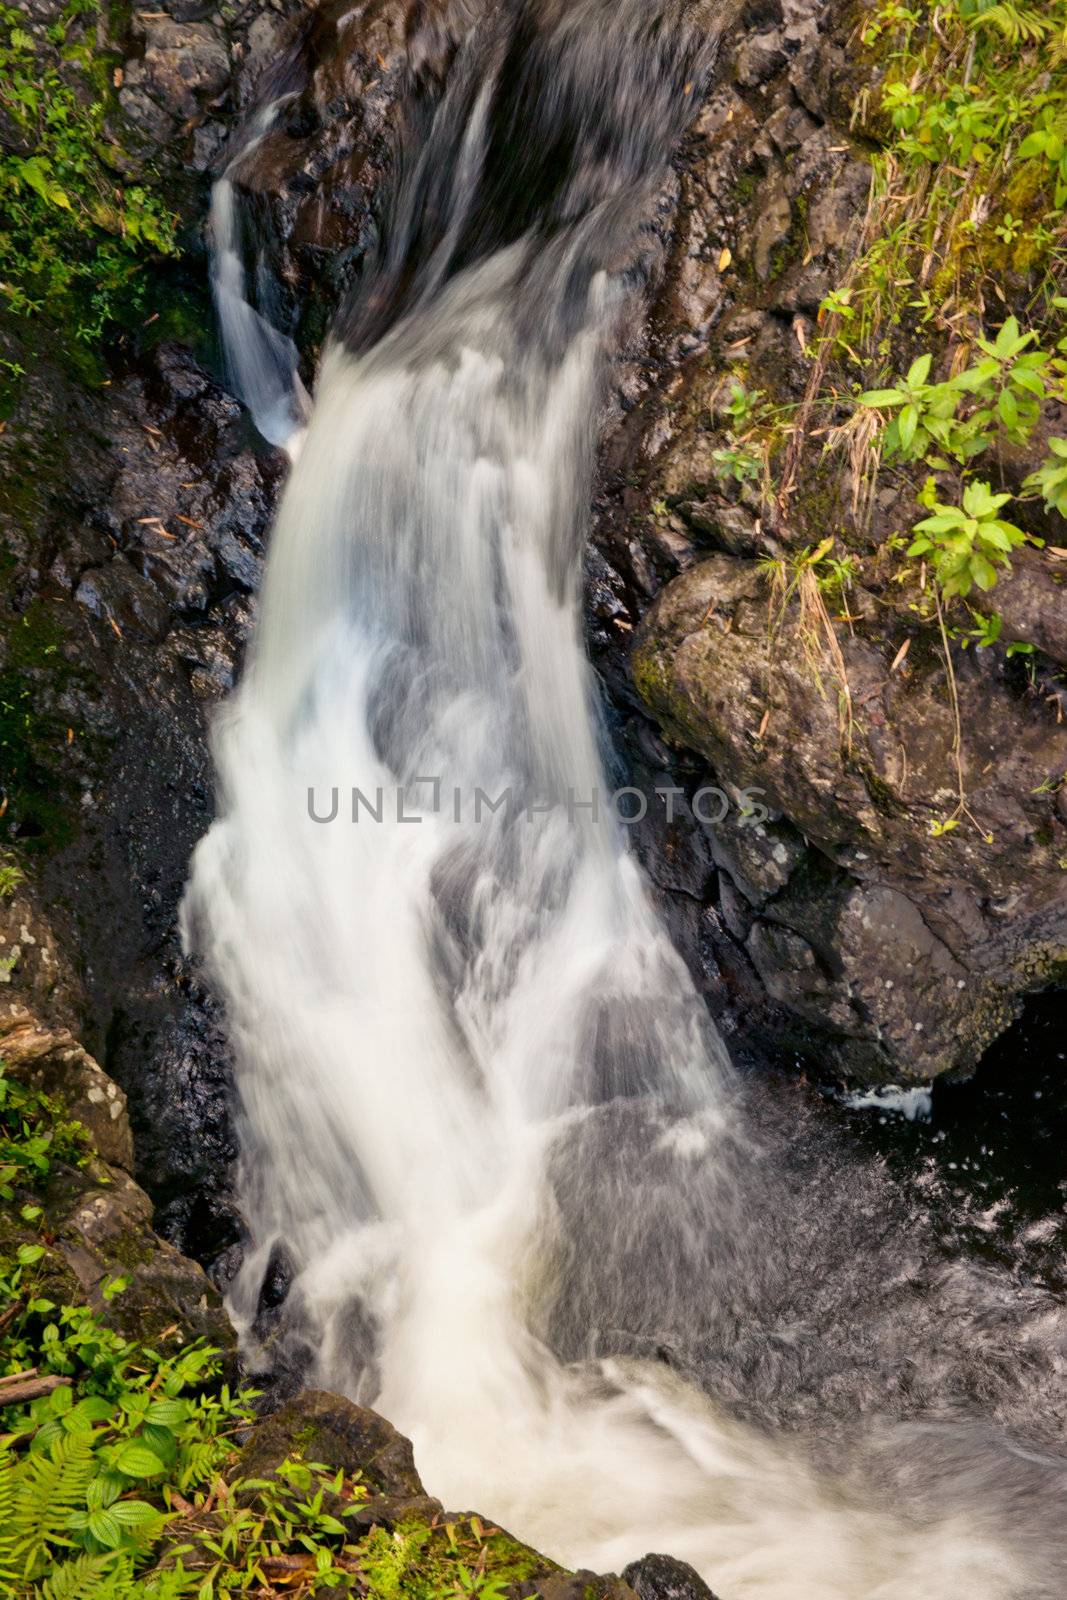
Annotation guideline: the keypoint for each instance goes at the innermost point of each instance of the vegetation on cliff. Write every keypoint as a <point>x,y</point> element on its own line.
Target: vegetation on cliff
<point>76,233</point>
<point>131,1470</point>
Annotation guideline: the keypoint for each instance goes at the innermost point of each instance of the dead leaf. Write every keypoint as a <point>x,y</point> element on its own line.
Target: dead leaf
<point>115,627</point>
<point>901,653</point>
<point>725,257</point>
<point>117,77</point>
<point>763,723</point>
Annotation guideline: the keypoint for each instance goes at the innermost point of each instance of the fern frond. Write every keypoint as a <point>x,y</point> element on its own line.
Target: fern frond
<point>86,1578</point>
<point>1018,24</point>
<point>8,1559</point>
<point>49,1485</point>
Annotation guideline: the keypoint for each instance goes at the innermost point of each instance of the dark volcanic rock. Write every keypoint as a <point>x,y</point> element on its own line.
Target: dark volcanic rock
<point>340,1434</point>
<point>664,1578</point>
<point>133,519</point>
<point>96,1220</point>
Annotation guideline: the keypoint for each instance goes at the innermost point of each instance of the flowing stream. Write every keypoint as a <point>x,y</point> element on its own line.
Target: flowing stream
<point>529,1214</point>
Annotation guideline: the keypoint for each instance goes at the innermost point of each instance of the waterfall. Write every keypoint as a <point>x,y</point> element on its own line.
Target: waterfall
<point>261,362</point>
<point>483,1112</point>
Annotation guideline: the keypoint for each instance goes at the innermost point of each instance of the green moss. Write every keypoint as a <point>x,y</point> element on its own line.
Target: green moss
<point>418,1561</point>
<point>75,235</point>
<point>744,190</point>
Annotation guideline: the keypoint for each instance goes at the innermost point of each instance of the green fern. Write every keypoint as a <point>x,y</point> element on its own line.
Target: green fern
<point>48,1486</point>
<point>1018,24</point>
<point>87,1578</point>
<point>8,1561</point>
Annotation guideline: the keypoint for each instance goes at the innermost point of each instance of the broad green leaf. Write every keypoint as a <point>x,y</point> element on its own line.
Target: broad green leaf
<point>104,1526</point>
<point>1008,407</point>
<point>136,1461</point>
<point>135,1513</point>
<point>919,371</point>
<point>168,1413</point>
<point>1024,379</point>
<point>996,536</point>
<point>883,397</point>
<point>983,573</point>
<point>907,423</point>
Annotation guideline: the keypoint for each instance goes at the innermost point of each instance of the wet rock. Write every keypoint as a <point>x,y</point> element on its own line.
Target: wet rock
<point>758,58</point>
<point>911,956</point>
<point>665,1578</point>
<point>324,1427</point>
<point>106,1232</point>
<point>133,562</point>
<point>35,967</point>
<point>96,1220</point>
<point>1032,600</point>
<point>52,1060</point>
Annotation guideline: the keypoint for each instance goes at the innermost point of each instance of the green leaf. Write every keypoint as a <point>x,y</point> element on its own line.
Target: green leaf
<point>136,1513</point>
<point>945,518</point>
<point>994,535</point>
<point>882,397</point>
<point>1007,338</point>
<point>168,1413</point>
<point>1024,379</point>
<point>919,371</point>
<point>1032,145</point>
<point>1008,408</point>
<point>907,423</point>
<point>29,1253</point>
<point>104,1526</point>
<point>136,1461</point>
<point>983,573</point>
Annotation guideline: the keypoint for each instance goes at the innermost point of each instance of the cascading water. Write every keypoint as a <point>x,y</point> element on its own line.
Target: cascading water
<point>482,1108</point>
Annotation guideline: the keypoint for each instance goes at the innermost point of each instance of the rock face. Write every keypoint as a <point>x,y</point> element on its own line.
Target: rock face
<point>326,1428</point>
<point>907,950</point>
<point>842,925</point>
<point>97,1221</point>
<point>132,519</point>
<point>664,1578</point>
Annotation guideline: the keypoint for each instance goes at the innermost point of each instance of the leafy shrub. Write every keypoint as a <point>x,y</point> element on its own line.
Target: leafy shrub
<point>1050,478</point>
<point>74,236</point>
<point>961,417</point>
<point>965,544</point>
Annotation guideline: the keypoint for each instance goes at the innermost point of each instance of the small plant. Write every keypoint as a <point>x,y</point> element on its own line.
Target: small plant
<point>737,462</point>
<point>744,456</point>
<point>11,875</point>
<point>961,416</point>
<point>1050,479</point>
<point>965,544</point>
<point>805,576</point>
